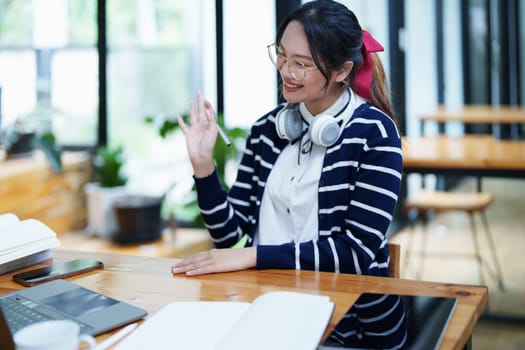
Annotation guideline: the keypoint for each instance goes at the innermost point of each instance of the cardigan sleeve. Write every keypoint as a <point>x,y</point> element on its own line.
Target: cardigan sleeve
<point>230,215</point>
<point>225,217</point>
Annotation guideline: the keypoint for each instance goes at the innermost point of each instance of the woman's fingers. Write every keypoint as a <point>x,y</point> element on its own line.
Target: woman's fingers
<point>182,124</point>
<point>200,107</point>
<point>202,111</point>
<point>210,113</point>
<point>192,263</point>
<point>193,117</point>
<point>217,260</point>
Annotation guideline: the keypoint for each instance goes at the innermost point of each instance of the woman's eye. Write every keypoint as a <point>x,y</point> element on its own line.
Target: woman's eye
<point>300,65</point>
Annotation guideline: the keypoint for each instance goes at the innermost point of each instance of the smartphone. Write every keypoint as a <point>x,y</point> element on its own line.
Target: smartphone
<point>56,271</point>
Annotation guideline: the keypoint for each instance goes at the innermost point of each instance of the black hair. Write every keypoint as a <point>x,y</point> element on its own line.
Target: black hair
<point>335,36</point>
<point>333,33</point>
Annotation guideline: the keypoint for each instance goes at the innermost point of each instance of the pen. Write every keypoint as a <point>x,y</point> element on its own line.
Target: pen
<point>223,136</point>
<point>116,337</point>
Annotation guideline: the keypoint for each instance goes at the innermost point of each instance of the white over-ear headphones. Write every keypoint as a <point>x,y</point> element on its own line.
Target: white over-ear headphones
<point>289,122</point>
<point>324,129</point>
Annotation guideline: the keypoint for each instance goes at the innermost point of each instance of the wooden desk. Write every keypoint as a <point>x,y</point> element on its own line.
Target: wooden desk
<point>476,114</point>
<point>473,155</point>
<point>148,283</point>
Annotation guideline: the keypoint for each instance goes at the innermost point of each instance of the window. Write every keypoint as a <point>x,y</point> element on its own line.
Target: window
<point>159,54</point>
<point>250,79</point>
<point>48,65</point>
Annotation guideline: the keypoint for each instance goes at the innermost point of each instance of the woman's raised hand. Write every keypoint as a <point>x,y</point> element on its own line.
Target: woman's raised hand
<point>201,136</point>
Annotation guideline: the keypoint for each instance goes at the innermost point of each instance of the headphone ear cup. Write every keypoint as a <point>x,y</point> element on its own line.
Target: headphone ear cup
<point>288,123</point>
<point>324,130</point>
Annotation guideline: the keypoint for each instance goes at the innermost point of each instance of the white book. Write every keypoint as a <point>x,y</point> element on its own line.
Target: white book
<point>274,320</point>
<point>8,219</point>
<point>24,242</point>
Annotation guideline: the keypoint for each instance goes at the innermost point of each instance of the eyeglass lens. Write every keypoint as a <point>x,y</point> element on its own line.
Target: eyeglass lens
<point>278,59</point>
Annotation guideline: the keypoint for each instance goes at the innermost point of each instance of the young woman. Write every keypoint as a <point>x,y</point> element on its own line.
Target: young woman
<point>320,176</point>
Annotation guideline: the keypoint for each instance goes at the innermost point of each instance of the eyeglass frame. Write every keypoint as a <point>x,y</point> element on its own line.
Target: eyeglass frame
<point>285,60</point>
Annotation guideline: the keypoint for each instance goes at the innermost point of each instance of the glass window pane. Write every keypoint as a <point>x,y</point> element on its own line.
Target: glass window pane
<point>82,27</point>
<point>241,56</point>
<point>48,66</point>
<point>155,67</point>
<point>479,54</point>
<point>18,85</point>
<point>75,96</point>
<point>16,23</point>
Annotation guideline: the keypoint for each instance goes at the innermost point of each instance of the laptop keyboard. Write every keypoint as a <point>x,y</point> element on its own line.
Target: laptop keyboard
<point>20,312</point>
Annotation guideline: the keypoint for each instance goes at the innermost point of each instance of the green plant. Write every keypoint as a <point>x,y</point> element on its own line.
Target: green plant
<point>47,143</point>
<point>167,125</point>
<point>25,131</point>
<point>108,165</point>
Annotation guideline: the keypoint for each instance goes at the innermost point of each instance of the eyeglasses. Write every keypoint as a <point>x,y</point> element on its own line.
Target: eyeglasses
<point>297,68</point>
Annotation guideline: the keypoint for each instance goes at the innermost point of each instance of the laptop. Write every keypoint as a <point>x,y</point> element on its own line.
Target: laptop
<point>59,299</point>
<point>6,338</point>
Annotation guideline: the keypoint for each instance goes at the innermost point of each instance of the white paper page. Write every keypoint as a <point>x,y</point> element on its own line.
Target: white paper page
<point>195,325</point>
<point>281,320</point>
<point>8,219</point>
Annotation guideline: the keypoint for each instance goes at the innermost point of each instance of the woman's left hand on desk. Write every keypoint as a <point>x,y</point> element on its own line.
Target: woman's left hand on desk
<point>217,260</point>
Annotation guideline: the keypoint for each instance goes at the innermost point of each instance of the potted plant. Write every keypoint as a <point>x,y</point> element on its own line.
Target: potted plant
<point>29,132</point>
<point>115,212</point>
<point>138,218</point>
<point>109,184</point>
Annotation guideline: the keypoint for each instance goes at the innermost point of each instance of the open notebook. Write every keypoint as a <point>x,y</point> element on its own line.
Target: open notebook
<point>274,320</point>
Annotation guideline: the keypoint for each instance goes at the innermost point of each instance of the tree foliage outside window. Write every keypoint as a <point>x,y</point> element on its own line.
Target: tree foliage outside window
<point>15,23</point>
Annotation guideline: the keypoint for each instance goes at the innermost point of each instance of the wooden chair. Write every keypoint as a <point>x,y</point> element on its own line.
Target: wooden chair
<point>394,251</point>
<point>425,202</point>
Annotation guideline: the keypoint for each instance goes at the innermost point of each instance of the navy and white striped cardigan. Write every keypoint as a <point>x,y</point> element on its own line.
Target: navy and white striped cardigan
<point>358,191</point>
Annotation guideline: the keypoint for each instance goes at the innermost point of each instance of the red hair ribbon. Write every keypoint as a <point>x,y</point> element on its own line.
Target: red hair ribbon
<point>363,75</point>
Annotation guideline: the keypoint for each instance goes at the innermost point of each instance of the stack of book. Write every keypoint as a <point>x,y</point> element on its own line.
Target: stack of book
<point>24,242</point>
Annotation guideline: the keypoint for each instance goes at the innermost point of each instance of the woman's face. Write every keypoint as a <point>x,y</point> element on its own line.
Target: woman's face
<point>311,90</point>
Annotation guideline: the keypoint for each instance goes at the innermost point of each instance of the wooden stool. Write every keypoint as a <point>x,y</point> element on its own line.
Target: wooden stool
<point>424,202</point>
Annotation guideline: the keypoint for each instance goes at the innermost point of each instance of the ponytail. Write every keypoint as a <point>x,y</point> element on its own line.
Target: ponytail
<point>379,90</point>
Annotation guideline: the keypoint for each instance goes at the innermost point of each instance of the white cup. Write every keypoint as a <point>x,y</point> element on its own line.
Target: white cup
<point>52,335</point>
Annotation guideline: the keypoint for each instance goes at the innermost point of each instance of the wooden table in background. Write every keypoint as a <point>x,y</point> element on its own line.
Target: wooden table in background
<point>469,155</point>
<point>477,114</point>
<point>148,283</point>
